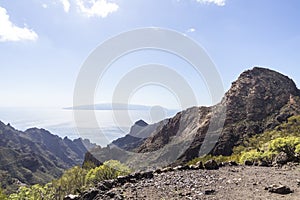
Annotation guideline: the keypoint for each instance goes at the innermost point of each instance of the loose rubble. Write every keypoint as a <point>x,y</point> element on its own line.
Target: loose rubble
<point>230,181</point>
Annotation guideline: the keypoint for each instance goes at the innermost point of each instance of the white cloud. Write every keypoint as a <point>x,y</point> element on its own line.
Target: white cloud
<point>191,30</point>
<point>100,8</point>
<point>66,5</point>
<point>11,32</point>
<point>44,5</point>
<point>217,2</point>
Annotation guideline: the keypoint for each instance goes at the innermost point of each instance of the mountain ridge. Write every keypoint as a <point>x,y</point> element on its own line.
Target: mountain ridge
<point>36,156</point>
<point>260,99</point>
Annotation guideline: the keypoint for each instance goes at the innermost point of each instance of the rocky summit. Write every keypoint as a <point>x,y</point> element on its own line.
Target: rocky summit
<point>259,100</point>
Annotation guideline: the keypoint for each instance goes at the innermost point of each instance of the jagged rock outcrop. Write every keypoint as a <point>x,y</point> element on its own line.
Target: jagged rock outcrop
<point>259,100</point>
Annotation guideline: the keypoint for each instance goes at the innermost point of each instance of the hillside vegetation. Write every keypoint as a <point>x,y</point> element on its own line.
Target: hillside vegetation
<point>265,147</point>
<point>73,181</point>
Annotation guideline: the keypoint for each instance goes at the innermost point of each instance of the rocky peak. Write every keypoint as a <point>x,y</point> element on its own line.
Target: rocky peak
<point>141,123</point>
<point>263,77</point>
<point>258,92</point>
<point>259,100</point>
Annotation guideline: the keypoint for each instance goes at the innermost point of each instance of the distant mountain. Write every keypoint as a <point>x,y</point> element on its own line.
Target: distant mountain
<point>115,106</point>
<point>259,100</point>
<point>36,155</point>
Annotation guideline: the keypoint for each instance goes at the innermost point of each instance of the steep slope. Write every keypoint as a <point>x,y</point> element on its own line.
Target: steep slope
<point>259,100</point>
<point>36,156</point>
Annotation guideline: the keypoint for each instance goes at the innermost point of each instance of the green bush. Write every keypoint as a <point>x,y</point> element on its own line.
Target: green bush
<point>287,145</point>
<point>252,155</point>
<point>109,170</point>
<point>73,181</point>
<point>2,195</point>
<point>256,156</point>
<point>218,159</point>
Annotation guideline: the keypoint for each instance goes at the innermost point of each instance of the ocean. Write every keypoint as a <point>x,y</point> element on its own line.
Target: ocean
<point>61,122</point>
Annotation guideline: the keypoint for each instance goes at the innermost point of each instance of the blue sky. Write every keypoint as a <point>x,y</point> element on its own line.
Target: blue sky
<point>43,43</point>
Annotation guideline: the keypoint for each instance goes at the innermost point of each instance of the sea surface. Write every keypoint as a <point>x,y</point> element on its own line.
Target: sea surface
<point>61,122</point>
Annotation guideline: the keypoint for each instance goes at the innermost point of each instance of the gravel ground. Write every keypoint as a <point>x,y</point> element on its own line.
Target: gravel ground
<point>227,183</point>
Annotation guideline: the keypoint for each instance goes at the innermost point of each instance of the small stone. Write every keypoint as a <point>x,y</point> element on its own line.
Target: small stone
<point>122,179</point>
<point>233,163</point>
<point>111,194</point>
<point>167,169</point>
<point>279,189</point>
<point>209,192</point>
<point>193,167</point>
<point>71,197</point>
<point>178,167</point>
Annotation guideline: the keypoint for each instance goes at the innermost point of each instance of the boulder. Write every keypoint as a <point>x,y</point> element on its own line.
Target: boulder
<point>248,163</point>
<point>147,175</point>
<point>211,165</point>
<point>199,164</point>
<point>193,167</point>
<point>263,163</point>
<point>282,158</point>
<point>122,179</point>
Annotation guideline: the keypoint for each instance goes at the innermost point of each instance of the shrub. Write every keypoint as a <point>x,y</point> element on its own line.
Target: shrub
<point>287,145</point>
<point>297,148</point>
<point>218,159</point>
<point>2,195</point>
<point>252,156</point>
<point>109,170</point>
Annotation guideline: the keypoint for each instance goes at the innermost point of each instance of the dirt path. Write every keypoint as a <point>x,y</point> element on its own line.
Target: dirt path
<point>227,183</point>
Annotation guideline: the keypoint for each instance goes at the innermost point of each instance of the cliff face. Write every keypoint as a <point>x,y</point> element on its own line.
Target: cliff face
<point>259,99</point>
<point>257,94</point>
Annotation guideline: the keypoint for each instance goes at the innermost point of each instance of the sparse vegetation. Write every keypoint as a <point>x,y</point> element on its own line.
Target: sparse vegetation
<point>2,195</point>
<point>73,181</point>
<point>264,147</point>
<point>109,170</point>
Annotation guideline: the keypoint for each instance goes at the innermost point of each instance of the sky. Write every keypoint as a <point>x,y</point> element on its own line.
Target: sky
<point>44,43</point>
